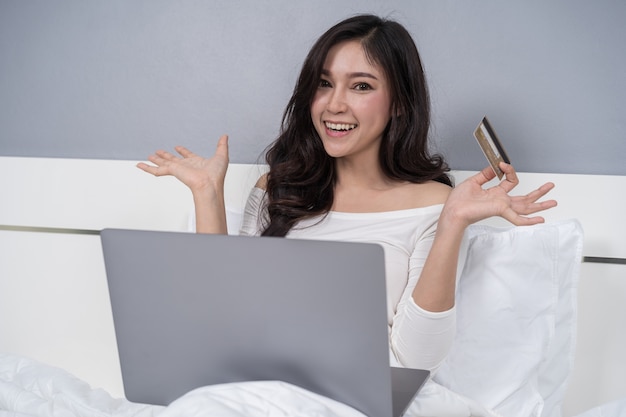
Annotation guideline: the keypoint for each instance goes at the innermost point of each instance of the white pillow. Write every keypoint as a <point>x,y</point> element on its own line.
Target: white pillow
<point>556,369</point>
<point>516,308</point>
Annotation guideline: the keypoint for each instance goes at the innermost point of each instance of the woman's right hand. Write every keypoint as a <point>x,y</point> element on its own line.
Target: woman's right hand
<point>196,172</point>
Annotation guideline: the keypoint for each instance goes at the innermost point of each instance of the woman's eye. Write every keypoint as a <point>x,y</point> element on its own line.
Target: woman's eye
<point>362,87</point>
<point>324,84</point>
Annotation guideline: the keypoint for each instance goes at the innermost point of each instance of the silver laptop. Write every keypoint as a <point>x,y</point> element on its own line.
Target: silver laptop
<point>192,310</point>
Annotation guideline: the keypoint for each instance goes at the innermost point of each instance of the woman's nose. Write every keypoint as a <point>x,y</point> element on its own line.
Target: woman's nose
<point>336,101</point>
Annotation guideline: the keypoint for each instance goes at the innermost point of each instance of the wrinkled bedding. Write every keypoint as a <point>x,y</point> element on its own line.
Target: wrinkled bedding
<point>29,388</point>
<point>32,389</point>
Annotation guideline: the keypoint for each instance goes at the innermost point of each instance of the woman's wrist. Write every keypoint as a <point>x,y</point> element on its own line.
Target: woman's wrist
<point>208,192</point>
<point>210,210</point>
<point>451,220</point>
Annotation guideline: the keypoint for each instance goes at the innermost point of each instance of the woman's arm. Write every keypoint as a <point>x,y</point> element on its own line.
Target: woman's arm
<point>204,177</point>
<point>469,203</point>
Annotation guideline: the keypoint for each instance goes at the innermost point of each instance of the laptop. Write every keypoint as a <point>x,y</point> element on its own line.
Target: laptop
<point>192,310</point>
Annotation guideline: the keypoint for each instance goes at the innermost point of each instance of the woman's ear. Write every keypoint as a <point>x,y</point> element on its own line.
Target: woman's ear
<point>395,110</point>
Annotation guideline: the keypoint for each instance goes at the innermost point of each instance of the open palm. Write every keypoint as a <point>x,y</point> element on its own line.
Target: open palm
<point>195,171</point>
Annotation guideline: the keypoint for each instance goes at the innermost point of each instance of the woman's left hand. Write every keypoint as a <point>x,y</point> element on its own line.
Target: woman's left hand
<point>469,202</point>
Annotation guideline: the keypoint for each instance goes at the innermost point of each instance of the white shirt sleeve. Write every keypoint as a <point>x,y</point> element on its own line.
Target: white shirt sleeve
<point>419,338</point>
<point>254,214</point>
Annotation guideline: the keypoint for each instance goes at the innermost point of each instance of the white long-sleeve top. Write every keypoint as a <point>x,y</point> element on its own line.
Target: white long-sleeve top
<point>418,338</point>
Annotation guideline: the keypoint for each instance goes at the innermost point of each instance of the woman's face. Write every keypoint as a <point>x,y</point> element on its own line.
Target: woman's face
<point>352,105</point>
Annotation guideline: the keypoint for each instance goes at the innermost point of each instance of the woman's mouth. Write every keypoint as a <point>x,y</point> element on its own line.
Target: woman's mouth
<point>340,127</point>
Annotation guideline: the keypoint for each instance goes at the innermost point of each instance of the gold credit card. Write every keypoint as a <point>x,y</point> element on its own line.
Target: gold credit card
<point>491,146</point>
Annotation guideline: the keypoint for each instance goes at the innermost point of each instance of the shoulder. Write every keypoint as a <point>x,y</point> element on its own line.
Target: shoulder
<point>426,194</point>
<point>262,182</point>
<point>436,191</point>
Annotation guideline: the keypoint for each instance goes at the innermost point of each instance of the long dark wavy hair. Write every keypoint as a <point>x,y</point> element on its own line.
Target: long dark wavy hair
<point>301,178</point>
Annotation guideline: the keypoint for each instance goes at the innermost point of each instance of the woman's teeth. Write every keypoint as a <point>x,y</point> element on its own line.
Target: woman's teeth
<point>340,126</point>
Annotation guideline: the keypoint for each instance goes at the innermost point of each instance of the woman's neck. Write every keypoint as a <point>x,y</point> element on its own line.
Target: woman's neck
<point>364,175</point>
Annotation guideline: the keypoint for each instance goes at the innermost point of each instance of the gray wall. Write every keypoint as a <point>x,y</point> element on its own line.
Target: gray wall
<point>118,79</point>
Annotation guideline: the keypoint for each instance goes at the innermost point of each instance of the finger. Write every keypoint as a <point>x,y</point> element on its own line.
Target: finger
<point>222,146</point>
<point>483,176</point>
<point>529,221</point>
<point>150,169</point>
<point>510,177</point>
<point>544,205</point>
<point>184,152</point>
<point>535,207</point>
<point>519,220</point>
<point>540,192</point>
<point>165,155</point>
<point>157,160</point>
<point>145,167</point>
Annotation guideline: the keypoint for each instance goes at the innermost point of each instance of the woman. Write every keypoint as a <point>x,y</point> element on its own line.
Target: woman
<point>352,163</point>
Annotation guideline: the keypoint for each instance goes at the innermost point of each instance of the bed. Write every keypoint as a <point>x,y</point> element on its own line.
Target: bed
<point>559,352</point>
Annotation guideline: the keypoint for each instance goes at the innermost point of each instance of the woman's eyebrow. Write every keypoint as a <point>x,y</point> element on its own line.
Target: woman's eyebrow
<point>362,74</point>
<point>353,74</point>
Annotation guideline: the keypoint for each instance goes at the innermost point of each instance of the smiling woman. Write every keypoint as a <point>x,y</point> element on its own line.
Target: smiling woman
<point>352,163</point>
